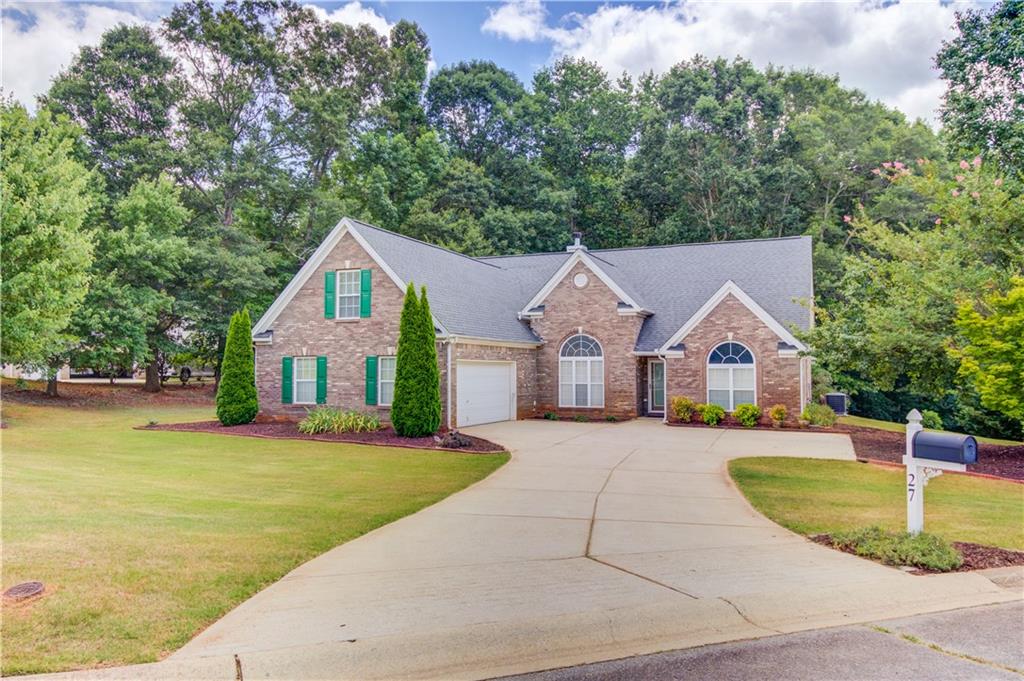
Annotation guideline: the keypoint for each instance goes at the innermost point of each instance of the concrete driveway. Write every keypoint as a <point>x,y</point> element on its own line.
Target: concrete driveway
<point>594,542</point>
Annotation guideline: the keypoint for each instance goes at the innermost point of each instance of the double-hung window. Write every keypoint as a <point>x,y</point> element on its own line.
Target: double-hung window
<point>386,380</point>
<point>348,294</point>
<point>305,380</point>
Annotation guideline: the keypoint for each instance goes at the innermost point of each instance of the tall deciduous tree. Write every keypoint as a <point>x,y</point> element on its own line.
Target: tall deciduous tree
<point>122,93</point>
<point>142,268</point>
<point>983,66</point>
<point>47,252</point>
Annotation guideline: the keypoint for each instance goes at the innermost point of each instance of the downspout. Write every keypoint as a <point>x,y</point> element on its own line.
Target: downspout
<point>664,386</point>
<point>448,382</point>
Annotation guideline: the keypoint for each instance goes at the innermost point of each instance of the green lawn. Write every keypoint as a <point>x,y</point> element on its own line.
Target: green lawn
<point>812,496</point>
<point>146,537</point>
<point>901,428</point>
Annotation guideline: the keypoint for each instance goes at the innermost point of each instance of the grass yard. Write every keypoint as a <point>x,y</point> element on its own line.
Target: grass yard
<point>864,422</point>
<point>812,496</point>
<point>143,538</point>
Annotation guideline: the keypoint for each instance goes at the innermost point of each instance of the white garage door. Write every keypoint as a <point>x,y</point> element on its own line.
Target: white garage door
<point>486,392</point>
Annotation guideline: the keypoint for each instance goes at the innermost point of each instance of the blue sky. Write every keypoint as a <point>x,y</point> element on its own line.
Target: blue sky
<point>882,47</point>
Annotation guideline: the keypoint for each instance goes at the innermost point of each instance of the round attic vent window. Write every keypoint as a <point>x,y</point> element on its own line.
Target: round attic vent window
<point>580,280</point>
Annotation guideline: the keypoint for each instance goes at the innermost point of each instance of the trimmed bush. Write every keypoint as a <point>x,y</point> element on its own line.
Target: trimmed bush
<point>551,416</point>
<point>237,401</point>
<point>416,406</point>
<point>747,414</point>
<point>711,414</point>
<point>900,548</point>
<point>777,413</point>
<point>580,418</point>
<point>683,408</point>
<point>331,420</point>
<point>819,415</point>
<point>931,419</point>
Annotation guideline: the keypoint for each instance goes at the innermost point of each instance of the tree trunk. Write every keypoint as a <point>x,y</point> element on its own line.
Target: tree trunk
<point>51,386</point>
<point>152,377</point>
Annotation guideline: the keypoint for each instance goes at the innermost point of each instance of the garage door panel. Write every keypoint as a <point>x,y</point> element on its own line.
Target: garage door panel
<point>485,392</point>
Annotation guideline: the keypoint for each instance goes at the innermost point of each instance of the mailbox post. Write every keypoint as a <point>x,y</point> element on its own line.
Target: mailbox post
<point>927,456</point>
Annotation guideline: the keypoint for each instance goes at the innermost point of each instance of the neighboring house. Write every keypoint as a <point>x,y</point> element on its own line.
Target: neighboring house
<point>610,332</point>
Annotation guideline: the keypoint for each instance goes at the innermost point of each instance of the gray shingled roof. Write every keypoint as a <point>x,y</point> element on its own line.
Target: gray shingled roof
<point>482,297</point>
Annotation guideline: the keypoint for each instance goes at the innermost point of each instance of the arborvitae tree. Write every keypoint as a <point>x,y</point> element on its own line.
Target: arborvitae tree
<point>237,401</point>
<point>404,405</point>
<point>431,376</point>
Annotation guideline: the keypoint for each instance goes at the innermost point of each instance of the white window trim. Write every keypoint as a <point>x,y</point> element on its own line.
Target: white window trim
<point>589,383</point>
<point>295,378</point>
<point>381,381</point>
<point>338,295</point>
<point>732,390</point>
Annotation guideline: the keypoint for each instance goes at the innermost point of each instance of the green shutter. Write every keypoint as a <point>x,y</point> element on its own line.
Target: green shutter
<point>371,380</point>
<point>321,380</point>
<point>286,380</point>
<point>330,296</point>
<point>365,284</point>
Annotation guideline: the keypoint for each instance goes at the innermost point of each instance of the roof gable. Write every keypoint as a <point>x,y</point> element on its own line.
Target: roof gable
<point>578,256</point>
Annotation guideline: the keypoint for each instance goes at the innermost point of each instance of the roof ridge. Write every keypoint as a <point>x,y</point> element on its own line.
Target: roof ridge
<point>424,243</point>
<point>647,248</point>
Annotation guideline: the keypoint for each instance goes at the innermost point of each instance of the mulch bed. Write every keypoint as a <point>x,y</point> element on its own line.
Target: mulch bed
<point>975,556</point>
<point>287,430</point>
<point>1003,461</point>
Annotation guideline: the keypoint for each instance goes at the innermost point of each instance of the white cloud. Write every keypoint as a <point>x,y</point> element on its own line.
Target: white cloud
<point>518,20</point>
<point>885,50</point>
<point>354,14</point>
<point>41,39</point>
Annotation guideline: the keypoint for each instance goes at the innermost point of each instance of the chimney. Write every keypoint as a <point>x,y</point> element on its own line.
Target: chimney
<point>576,245</point>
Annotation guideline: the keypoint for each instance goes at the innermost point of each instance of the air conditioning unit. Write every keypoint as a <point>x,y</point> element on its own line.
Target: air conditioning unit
<point>837,401</point>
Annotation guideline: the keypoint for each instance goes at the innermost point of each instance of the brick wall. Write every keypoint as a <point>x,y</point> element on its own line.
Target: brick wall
<point>593,308</point>
<point>301,329</point>
<point>778,378</point>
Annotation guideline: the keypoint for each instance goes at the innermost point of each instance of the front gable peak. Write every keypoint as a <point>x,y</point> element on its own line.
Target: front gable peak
<point>579,256</point>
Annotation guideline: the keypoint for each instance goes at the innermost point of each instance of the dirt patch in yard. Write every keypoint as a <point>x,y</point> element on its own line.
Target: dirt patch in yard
<point>287,430</point>
<point>975,556</point>
<point>86,395</point>
<point>871,444</point>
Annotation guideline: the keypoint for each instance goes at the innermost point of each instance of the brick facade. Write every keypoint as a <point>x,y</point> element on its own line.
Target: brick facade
<point>593,309</point>
<point>302,330</point>
<point>778,378</point>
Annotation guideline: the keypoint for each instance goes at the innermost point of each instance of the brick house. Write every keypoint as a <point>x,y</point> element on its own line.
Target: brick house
<point>608,332</point>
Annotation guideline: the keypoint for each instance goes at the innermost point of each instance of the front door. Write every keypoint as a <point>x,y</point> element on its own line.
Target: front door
<point>656,385</point>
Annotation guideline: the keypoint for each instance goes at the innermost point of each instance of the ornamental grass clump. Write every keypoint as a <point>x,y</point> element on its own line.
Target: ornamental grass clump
<point>900,548</point>
<point>747,414</point>
<point>331,420</point>
<point>237,401</point>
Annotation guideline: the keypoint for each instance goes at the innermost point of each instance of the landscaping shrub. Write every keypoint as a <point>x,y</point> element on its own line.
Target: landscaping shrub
<point>683,408</point>
<point>931,419</point>
<point>551,416</point>
<point>416,406</point>
<point>777,413</point>
<point>747,414</point>
<point>20,384</point>
<point>237,401</point>
<point>900,548</point>
<point>819,415</point>
<point>711,414</point>
<point>611,418</point>
<point>331,420</point>
<point>580,418</point>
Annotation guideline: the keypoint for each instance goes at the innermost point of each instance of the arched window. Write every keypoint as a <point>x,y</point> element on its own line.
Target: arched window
<point>731,377</point>
<point>580,373</point>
